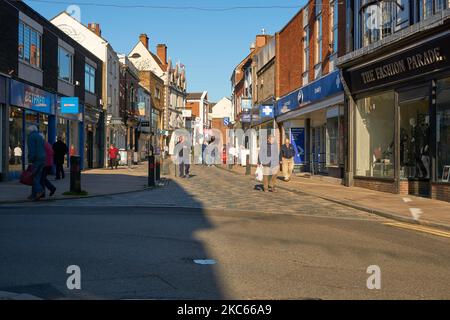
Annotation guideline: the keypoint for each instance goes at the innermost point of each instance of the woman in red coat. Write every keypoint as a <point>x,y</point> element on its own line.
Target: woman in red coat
<point>113,153</point>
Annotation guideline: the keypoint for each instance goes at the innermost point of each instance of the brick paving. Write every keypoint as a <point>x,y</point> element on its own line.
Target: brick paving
<point>400,207</point>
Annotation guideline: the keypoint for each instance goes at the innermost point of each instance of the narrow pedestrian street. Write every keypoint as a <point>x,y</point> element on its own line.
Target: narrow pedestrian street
<point>282,245</point>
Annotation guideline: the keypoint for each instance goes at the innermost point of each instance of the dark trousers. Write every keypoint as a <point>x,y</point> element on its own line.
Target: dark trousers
<point>45,183</point>
<point>184,169</point>
<point>113,163</point>
<point>60,171</point>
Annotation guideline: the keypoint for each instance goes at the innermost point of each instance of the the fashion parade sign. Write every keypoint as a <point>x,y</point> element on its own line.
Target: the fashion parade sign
<point>429,57</point>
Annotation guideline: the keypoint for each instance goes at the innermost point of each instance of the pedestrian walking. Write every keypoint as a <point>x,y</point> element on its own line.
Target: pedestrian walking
<point>183,164</point>
<point>36,157</point>
<point>269,158</point>
<point>287,159</point>
<point>49,160</point>
<point>113,154</point>
<point>60,151</point>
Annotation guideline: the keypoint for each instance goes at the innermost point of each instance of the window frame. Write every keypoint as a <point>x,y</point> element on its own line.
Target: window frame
<point>59,65</point>
<point>26,35</point>
<point>91,76</point>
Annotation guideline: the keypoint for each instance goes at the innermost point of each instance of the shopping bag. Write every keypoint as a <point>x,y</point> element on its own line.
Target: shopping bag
<point>26,177</point>
<point>259,174</point>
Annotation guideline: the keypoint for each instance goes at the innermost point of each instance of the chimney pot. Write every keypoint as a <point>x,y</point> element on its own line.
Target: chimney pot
<point>95,28</point>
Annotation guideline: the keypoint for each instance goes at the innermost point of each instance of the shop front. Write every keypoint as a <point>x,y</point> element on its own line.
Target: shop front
<point>69,127</point>
<point>28,106</point>
<point>400,119</point>
<point>312,117</point>
<point>93,136</point>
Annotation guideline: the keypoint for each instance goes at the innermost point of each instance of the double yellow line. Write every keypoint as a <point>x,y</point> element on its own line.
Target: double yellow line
<point>419,228</point>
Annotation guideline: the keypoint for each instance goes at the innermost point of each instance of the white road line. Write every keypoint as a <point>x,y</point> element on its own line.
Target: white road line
<point>416,213</point>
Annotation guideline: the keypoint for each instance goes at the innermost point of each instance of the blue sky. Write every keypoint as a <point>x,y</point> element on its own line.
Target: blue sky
<point>208,43</point>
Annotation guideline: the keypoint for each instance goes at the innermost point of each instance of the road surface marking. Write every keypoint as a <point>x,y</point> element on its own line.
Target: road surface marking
<point>406,200</point>
<point>205,262</point>
<point>432,231</point>
<point>416,213</point>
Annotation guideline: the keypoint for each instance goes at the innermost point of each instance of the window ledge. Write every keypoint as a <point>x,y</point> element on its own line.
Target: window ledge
<point>28,64</point>
<point>66,82</point>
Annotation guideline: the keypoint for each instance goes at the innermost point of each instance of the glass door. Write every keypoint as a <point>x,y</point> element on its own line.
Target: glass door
<point>415,158</point>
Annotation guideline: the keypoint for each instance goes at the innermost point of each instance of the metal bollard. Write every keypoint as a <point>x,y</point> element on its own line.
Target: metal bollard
<point>158,169</point>
<point>151,171</point>
<point>248,168</point>
<point>75,174</point>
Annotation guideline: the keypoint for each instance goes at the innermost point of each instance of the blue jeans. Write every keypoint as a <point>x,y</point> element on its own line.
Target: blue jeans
<point>37,176</point>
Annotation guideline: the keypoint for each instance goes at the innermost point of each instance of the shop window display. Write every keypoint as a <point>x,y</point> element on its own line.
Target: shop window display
<point>16,148</point>
<point>415,160</point>
<point>374,135</point>
<point>443,129</point>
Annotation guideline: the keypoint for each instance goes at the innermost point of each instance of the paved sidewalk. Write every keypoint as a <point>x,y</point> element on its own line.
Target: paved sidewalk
<point>403,208</point>
<point>96,182</point>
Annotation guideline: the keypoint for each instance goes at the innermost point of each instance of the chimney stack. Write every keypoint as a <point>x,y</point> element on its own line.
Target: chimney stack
<point>144,39</point>
<point>261,40</point>
<point>95,28</point>
<point>161,51</point>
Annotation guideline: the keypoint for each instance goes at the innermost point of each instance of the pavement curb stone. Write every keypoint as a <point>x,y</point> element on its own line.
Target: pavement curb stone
<point>382,213</point>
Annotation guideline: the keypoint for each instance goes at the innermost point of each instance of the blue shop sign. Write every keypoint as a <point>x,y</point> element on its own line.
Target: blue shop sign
<point>70,105</point>
<point>266,111</point>
<point>2,90</point>
<point>318,90</point>
<point>29,97</point>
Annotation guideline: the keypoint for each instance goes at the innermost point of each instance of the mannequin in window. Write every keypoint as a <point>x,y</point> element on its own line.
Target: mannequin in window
<point>404,147</point>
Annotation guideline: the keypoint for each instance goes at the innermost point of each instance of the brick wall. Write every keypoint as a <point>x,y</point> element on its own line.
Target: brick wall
<point>290,56</point>
<point>266,83</point>
<point>217,123</point>
<point>377,185</point>
<point>440,191</point>
<point>195,107</point>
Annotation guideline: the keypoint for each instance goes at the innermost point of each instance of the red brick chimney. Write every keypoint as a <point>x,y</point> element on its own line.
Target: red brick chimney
<point>95,28</point>
<point>144,39</point>
<point>261,40</point>
<point>161,51</point>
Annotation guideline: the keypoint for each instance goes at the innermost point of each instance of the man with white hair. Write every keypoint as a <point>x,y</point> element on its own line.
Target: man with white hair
<point>36,157</point>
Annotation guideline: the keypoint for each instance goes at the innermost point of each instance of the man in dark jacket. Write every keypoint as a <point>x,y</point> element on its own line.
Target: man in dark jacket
<point>60,150</point>
<point>184,154</point>
<point>287,159</point>
<point>269,158</point>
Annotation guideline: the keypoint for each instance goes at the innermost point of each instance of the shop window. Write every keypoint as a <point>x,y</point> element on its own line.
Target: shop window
<point>65,65</point>
<point>443,129</point>
<point>335,136</point>
<point>16,147</point>
<point>374,136</point>
<point>415,161</point>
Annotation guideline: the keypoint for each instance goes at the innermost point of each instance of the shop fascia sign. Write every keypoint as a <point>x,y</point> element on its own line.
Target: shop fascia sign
<point>29,97</point>
<point>70,105</point>
<point>428,57</point>
<point>326,86</point>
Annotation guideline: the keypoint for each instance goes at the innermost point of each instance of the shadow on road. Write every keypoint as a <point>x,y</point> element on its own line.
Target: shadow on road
<point>124,252</point>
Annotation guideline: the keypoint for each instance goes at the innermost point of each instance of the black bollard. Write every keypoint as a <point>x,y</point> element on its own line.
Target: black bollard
<point>158,169</point>
<point>151,171</point>
<point>75,174</point>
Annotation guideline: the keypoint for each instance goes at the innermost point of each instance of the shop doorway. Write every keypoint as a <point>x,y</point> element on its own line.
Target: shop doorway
<point>90,149</point>
<point>318,150</point>
<point>415,153</point>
